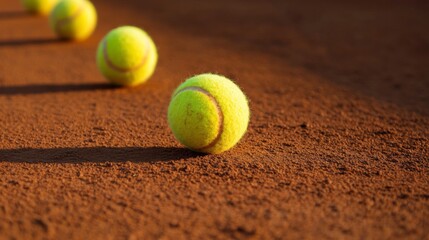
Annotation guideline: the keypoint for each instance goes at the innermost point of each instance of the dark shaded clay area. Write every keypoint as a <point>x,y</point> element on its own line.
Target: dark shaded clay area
<point>337,146</point>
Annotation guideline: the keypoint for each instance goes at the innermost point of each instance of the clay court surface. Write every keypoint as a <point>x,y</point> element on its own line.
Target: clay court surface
<point>337,146</point>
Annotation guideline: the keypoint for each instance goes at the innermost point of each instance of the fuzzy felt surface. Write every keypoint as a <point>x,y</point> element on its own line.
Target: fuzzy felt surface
<point>194,114</point>
<point>73,19</point>
<point>127,56</point>
<point>42,7</point>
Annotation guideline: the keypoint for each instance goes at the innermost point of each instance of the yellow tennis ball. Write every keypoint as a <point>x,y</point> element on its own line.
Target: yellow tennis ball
<point>73,19</point>
<point>127,56</point>
<point>208,113</point>
<point>42,7</point>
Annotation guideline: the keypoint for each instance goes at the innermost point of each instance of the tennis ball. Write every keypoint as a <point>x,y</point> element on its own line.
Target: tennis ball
<point>127,56</point>
<point>73,19</point>
<point>42,7</point>
<point>208,113</point>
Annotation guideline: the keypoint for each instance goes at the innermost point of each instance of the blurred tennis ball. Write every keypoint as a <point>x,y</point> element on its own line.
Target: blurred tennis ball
<point>208,113</point>
<point>73,19</point>
<point>127,56</point>
<point>42,7</point>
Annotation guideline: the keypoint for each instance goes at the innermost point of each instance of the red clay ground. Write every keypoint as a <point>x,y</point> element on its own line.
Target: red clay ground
<point>337,146</point>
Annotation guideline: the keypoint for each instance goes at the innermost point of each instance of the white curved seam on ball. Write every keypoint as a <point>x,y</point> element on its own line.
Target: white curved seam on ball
<point>59,23</point>
<point>219,111</point>
<point>120,69</point>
